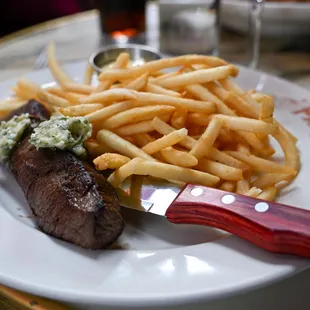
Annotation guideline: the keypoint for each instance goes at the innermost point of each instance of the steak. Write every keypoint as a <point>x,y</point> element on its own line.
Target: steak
<point>69,198</point>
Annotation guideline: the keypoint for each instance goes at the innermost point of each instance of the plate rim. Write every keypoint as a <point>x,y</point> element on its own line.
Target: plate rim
<point>138,300</point>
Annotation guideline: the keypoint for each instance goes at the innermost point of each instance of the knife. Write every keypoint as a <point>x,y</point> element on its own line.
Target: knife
<point>269,225</point>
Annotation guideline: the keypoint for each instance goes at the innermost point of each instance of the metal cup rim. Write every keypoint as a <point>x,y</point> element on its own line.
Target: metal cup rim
<point>121,46</point>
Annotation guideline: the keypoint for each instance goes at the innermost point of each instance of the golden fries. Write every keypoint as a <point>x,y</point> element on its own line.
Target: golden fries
<point>192,125</point>
<point>138,114</point>
<point>223,171</point>
<point>78,88</point>
<point>88,74</point>
<point>253,192</point>
<point>81,110</point>
<point>178,158</point>
<point>165,141</point>
<point>58,73</point>
<point>156,89</point>
<point>260,164</point>
<point>138,83</point>
<point>109,111</point>
<point>269,193</point>
<point>159,170</point>
<point>110,161</point>
<point>121,145</point>
<point>204,144</point>
<point>198,77</point>
<point>121,62</point>
<point>157,65</point>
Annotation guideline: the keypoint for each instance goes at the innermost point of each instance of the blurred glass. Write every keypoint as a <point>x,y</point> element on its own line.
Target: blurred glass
<point>122,20</point>
<point>256,8</point>
<point>189,26</point>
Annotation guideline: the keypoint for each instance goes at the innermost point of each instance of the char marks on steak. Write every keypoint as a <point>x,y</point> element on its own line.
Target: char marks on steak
<point>69,198</point>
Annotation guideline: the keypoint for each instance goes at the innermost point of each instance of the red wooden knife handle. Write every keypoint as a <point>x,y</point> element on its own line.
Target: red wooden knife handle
<point>272,226</point>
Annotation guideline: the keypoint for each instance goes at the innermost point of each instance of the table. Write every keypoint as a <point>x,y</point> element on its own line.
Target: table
<point>23,51</point>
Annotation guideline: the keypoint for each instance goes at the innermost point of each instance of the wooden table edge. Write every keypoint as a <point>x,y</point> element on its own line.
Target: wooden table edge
<point>53,23</point>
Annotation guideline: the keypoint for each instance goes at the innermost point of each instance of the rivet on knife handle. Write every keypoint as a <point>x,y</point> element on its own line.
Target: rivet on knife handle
<point>272,226</point>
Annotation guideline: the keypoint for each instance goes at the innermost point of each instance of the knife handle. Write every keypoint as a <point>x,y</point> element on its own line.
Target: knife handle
<point>272,226</point>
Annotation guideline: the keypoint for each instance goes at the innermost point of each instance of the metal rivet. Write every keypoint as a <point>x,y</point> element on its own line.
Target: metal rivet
<point>228,199</point>
<point>197,191</point>
<point>262,207</point>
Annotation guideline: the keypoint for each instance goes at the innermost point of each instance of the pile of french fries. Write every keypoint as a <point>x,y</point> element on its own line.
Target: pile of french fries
<point>191,125</point>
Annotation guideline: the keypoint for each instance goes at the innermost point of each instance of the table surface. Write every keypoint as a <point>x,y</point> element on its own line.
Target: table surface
<point>23,52</point>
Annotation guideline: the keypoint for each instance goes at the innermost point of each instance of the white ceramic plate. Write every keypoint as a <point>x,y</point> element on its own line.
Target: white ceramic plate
<point>279,19</point>
<point>161,263</point>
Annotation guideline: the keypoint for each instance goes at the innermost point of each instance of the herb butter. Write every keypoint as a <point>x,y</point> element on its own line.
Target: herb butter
<point>64,133</point>
<point>10,133</point>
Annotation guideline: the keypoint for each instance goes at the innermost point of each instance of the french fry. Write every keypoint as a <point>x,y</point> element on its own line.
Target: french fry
<point>27,89</point>
<point>160,170</point>
<point>262,165</point>
<point>136,128</point>
<point>178,119</point>
<point>205,143</point>
<point>256,143</point>
<point>121,62</point>
<point>242,186</point>
<point>111,95</point>
<point>266,109</point>
<point>226,159</point>
<point>270,179</point>
<point>156,89</point>
<point>222,171</point>
<point>136,184</point>
<point>139,83</point>
<point>57,91</point>
<point>137,114</point>
<point>164,129</point>
<point>178,158</point>
<point>165,141</point>
<point>246,124</point>
<point>269,193</point>
<point>81,110</point>
<point>228,186</point>
<point>78,88</point>
<point>253,192</point>
<point>52,99</point>
<point>204,94</point>
<point>289,148</point>
<point>121,145</point>
<point>157,65</point>
<point>182,103</point>
<point>58,73</point>
<point>198,77</point>
<point>88,74</point>
<point>109,111</point>
<point>110,161</point>
<point>166,75</point>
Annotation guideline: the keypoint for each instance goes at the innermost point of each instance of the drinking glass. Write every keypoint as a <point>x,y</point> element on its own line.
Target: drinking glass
<point>121,20</point>
<point>255,14</point>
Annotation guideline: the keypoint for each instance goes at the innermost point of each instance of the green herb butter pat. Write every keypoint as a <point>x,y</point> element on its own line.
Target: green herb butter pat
<point>10,133</point>
<point>64,133</point>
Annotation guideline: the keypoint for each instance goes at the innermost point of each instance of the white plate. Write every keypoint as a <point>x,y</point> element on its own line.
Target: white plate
<point>278,18</point>
<point>162,263</point>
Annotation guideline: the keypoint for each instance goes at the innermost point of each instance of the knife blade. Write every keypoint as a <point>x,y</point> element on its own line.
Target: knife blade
<point>269,225</point>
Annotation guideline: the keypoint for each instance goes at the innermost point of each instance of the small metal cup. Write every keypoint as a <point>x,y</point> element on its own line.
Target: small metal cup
<point>138,55</point>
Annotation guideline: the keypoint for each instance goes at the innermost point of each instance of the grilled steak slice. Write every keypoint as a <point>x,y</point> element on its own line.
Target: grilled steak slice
<point>70,199</point>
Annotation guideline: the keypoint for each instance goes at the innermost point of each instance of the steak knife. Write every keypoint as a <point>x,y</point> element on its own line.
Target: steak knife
<point>269,225</point>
